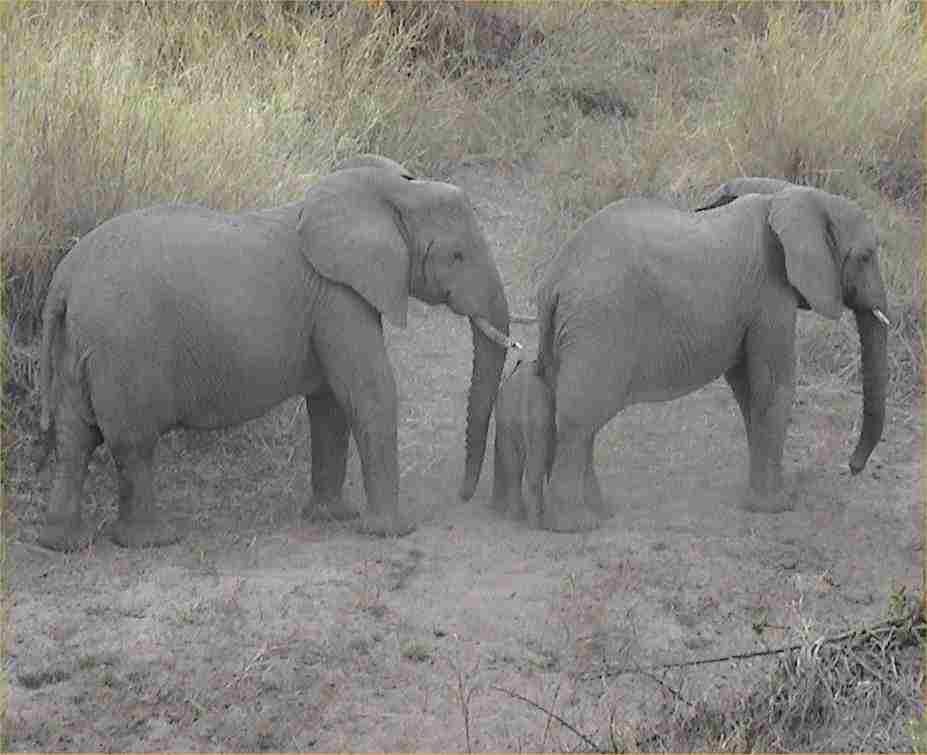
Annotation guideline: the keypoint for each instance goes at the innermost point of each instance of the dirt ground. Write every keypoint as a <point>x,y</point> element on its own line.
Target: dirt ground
<point>259,632</point>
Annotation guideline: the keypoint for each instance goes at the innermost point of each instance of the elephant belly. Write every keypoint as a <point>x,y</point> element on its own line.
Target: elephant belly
<point>249,387</point>
<point>671,368</point>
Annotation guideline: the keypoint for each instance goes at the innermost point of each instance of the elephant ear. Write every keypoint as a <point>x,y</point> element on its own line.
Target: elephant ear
<point>807,237</point>
<point>351,233</point>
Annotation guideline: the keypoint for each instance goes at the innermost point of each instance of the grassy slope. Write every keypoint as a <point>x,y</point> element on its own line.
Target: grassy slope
<point>111,106</point>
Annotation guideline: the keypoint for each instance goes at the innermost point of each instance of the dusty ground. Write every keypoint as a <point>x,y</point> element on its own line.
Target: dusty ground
<point>259,632</point>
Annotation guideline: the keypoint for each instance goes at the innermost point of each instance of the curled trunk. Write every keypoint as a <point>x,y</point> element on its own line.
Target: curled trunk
<point>488,361</point>
<point>873,338</point>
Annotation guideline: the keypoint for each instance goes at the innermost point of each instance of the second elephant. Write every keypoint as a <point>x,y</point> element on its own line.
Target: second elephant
<point>648,303</point>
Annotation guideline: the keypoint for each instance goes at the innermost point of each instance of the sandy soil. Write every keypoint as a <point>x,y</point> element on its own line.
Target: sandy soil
<point>258,632</point>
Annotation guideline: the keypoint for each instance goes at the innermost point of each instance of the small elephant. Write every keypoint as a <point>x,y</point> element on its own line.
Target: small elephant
<point>524,443</point>
<point>180,316</point>
<point>649,303</point>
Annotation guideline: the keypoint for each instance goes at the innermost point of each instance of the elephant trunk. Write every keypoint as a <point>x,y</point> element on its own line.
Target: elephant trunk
<point>488,361</point>
<point>873,338</point>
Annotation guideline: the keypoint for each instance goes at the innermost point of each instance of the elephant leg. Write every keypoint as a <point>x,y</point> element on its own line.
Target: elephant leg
<point>138,525</point>
<point>350,345</point>
<point>737,379</point>
<point>592,491</point>
<point>65,528</point>
<point>573,499</point>
<point>329,428</point>
<point>770,374</point>
<point>537,469</point>
<point>566,508</point>
<point>507,474</point>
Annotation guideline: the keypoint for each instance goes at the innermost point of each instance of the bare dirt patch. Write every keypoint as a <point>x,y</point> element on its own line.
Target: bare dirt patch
<point>260,632</point>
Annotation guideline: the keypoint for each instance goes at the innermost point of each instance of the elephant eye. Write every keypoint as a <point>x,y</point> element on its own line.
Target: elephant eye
<point>458,256</point>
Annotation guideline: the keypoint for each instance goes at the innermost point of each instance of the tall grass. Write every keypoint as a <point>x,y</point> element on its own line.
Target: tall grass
<point>114,106</point>
<point>111,106</point>
<point>835,99</point>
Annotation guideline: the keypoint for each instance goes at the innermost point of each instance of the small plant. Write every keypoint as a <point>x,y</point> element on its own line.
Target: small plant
<point>917,730</point>
<point>416,650</point>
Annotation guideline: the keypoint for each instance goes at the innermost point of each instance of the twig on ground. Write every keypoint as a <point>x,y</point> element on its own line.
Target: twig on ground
<point>563,722</point>
<point>875,630</point>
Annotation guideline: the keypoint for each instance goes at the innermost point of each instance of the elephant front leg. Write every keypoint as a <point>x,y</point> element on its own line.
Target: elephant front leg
<point>770,375</point>
<point>65,528</point>
<point>349,344</point>
<point>138,525</point>
<point>329,428</point>
<point>375,436</point>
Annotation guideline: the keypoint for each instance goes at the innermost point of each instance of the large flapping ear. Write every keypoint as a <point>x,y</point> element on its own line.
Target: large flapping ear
<point>805,231</point>
<point>730,190</point>
<point>369,160</point>
<point>352,234</point>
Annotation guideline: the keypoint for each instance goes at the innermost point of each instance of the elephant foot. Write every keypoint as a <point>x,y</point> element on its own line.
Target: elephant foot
<point>66,534</point>
<point>143,533</point>
<point>564,519</point>
<point>385,526</point>
<point>328,510</point>
<point>766,503</point>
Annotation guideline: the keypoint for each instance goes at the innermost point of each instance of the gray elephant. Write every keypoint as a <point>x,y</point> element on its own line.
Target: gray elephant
<point>648,303</point>
<point>179,316</point>
<point>524,443</point>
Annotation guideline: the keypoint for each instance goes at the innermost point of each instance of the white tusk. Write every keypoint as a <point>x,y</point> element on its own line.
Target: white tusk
<point>880,316</point>
<point>523,320</point>
<point>495,334</point>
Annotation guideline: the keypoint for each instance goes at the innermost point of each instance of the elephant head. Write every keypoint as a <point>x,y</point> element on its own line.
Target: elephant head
<point>388,236</point>
<point>831,259</point>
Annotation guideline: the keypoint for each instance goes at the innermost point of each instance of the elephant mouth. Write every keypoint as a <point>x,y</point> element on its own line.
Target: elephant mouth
<point>496,335</point>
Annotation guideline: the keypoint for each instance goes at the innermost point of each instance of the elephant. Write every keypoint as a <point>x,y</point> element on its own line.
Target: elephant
<point>178,316</point>
<point>369,160</point>
<point>647,303</point>
<point>524,443</point>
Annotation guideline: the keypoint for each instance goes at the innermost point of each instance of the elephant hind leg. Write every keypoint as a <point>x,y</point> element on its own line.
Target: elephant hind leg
<point>508,471</point>
<point>75,441</point>
<point>573,500</point>
<point>592,491</point>
<point>539,457</point>
<point>138,525</point>
<point>329,429</point>
<point>568,506</point>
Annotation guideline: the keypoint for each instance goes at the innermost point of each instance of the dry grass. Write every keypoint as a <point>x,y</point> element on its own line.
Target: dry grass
<point>114,106</point>
<point>832,696</point>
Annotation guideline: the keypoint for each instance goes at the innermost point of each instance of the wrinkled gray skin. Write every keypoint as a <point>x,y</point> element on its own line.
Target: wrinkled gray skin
<point>524,444</point>
<point>180,316</point>
<point>647,303</point>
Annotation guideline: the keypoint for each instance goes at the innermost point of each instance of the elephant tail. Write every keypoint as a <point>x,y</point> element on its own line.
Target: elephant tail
<point>50,357</point>
<point>547,309</point>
